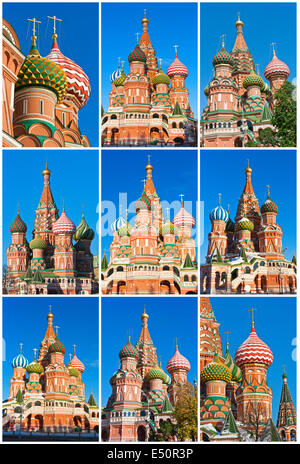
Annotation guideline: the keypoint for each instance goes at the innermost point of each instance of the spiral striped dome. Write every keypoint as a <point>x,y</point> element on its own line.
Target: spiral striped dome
<point>177,69</point>
<point>276,68</point>
<point>215,370</point>
<point>244,224</point>
<point>222,57</point>
<point>64,225</point>
<point>77,364</point>
<point>78,83</point>
<point>83,231</point>
<point>20,361</point>
<point>183,218</point>
<point>219,214</point>
<point>137,55</point>
<point>18,225</point>
<point>178,362</point>
<point>38,243</point>
<point>269,206</point>
<point>143,203</point>
<point>128,351</point>
<point>168,380</point>
<point>117,224</point>
<point>253,350</point>
<point>57,347</point>
<point>35,368</point>
<point>236,374</point>
<point>115,74</point>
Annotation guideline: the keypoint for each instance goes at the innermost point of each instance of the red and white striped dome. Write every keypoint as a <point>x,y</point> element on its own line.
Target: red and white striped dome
<point>253,350</point>
<point>178,362</point>
<point>276,67</point>
<point>177,68</point>
<point>64,225</point>
<point>78,82</point>
<point>77,364</point>
<point>183,218</point>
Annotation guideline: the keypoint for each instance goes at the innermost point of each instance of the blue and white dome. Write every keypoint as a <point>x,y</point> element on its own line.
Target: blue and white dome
<point>117,224</point>
<point>20,361</point>
<point>219,214</point>
<point>115,74</point>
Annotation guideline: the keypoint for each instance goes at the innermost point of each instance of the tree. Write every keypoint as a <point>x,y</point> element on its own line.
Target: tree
<point>266,138</point>
<point>186,413</point>
<point>19,397</point>
<point>255,418</point>
<point>285,115</point>
<point>165,431</point>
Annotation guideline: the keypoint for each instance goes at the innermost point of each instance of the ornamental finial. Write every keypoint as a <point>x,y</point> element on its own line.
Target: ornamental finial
<point>74,347</point>
<point>34,37</point>
<point>54,35</point>
<point>223,37</point>
<point>21,347</point>
<point>273,47</point>
<point>34,351</point>
<point>137,37</point>
<point>268,190</point>
<point>220,197</point>
<point>252,321</point>
<point>176,48</point>
<point>227,338</point>
<point>181,198</point>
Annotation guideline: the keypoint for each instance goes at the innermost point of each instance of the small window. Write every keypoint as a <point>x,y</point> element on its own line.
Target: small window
<point>41,107</point>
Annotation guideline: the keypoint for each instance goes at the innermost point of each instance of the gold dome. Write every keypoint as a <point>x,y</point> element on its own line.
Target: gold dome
<point>46,171</point>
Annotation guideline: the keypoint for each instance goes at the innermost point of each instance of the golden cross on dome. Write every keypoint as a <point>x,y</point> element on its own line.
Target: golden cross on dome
<point>34,21</point>
<point>273,47</point>
<point>74,346</point>
<point>119,61</point>
<point>129,334</point>
<point>56,330</point>
<point>257,67</point>
<point>181,197</point>
<point>252,310</point>
<point>21,347</point>
<point>34,351</point>
<point>18,207</point>
<point>50,309</point>
<point>227,335</point>
<point>70,356</point>
<point>168,213</point>
<point>176,342</point>
<point>268,190</point>
<point>223,37</point>
<point>239,16</point>
<point>160,62</point>
<point>54,23</point>
<point>149,159</point>
<point>145,11</point>
<point>122,63</point>
<point>220,197</point>
<point>176,47</point>
<point>137,37</point>
<point>228,208</point>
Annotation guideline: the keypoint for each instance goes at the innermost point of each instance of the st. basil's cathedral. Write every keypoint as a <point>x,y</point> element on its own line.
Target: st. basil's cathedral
<point>246,255</point>
<point>239,102</point>
<point>147,106</point>
<point>236,399</point>
<point>47,394</point>
<point>155,255</point>
<point>143,394</point>
<point>42,96</point>
<point>50,263</point>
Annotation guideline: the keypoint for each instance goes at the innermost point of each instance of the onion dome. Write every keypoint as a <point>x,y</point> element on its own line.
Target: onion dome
<point>230,225</point>
<point>183,218</point>
<point>78,84</point>
<point>236,374</point>
<point>276,68</point>
<point>83,231</point>
<point>169,229</point>
<point>206,91</point>
<point>113,378</point>
<point>253,79</point>
<point>161,78</point>
<point>57,347</point>
<point>77,364</point>
<point>215,370</point>
<point>39,71</point>
<point>115,74</point>
<point>222,57</point>
<point>156,373</point>
<point>20,361</point>
<point>64,225</point>
<point>167,380</point>
<point>178,362</point>
<point>253,350</point>
<point>18,225</point>
<point>144,203</point>
<point>269,206</point>
<point>117,224</point>
<point>125,230</point>
<point>34,368</point>
<point>73,372</point>
<point>128,351</point>
<point>38,243</point>
<point>177,68</point>
<point>244,224</point>
<point>137,55</point>
<point>265,88</point>
<point>218,214</point>
<point>119,81</point>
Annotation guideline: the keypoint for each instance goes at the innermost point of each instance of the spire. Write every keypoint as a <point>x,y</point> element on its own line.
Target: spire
<point>145,335</point>
<point>149,186</point>
<point>47,197</point>
<point>252,320</point>
<point>248,189</point>
<point>54,35</point>
<point>286,413</point>
<point>240,43</point>
<point>34,51</point>
<point>145,39</point>
<point>50,331</point>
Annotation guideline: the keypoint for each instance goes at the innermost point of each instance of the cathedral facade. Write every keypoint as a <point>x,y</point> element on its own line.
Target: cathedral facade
<point>239,102</point>
<point>143,394</point>
<point>154,256</point>
<point>235,397</point>
<point>47,394</point>
<point>246,255</point>
<point>50,263</point>
<point>148,106</point>
<point>42,96</point>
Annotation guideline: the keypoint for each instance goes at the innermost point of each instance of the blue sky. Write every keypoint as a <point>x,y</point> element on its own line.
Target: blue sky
<point>78,39</point>
<point>175,172</point>
<point>276,168</point>
<point>275,324</point>
<point>25,321</point>
<point>165,324</point>
<point>264,23</point>
<point>170,24</point>
<point>71,179</point>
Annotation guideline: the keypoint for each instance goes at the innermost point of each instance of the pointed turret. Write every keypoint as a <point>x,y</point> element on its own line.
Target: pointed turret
<point>287,418</point>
